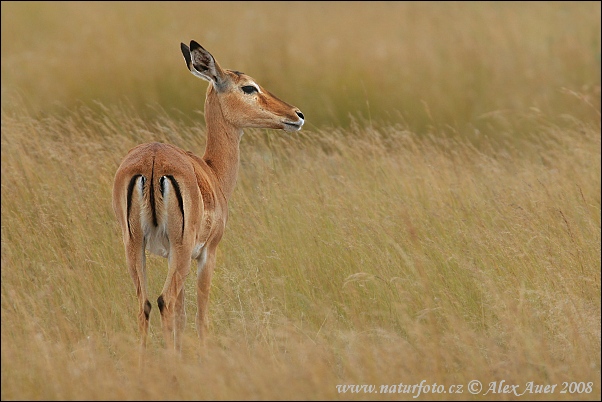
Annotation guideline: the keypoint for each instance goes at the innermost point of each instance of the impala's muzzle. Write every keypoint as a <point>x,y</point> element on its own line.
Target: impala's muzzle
<point>295,125</point>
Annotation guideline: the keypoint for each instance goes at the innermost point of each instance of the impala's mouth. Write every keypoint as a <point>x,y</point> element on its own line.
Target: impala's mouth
<point>293,126</point>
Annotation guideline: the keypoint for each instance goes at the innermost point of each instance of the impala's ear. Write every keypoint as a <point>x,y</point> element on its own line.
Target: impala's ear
<point>202,64</point>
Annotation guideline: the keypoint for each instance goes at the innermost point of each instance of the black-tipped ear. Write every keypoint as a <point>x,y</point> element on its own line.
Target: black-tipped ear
<point>202,64</point>
<point>194,45</point>
<point>186,53</point>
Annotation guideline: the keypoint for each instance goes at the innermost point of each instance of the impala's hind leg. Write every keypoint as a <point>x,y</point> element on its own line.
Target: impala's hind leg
<point>136,261</point>
<point>134,243</point>
<point>180,318</point>
<point>171,301</point>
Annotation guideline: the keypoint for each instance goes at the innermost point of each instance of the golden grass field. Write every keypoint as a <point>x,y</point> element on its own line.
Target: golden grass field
<point>437,220</point>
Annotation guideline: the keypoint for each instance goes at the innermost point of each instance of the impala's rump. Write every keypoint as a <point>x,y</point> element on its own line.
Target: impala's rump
<point>149,192</point>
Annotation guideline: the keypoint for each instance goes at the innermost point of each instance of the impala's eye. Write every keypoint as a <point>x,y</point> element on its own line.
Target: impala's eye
<point>249,89</point>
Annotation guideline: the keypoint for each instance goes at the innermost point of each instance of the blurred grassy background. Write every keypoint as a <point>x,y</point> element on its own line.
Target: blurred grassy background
<point>438,218</point>
<point>442,65</point>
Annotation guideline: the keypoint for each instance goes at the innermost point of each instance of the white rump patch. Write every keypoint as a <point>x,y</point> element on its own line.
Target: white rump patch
<point>156,238</point>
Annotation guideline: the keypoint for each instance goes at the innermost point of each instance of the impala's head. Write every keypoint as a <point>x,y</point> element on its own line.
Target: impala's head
<point>243,102</point>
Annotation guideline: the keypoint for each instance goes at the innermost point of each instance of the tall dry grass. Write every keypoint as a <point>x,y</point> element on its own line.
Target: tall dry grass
<point>360,256</point>
<point>441,223</point>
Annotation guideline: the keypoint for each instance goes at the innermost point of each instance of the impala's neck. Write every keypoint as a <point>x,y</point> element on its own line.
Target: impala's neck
<point>222,152</point>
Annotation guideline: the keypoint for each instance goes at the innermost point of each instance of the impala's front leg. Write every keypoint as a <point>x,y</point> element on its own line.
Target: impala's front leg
<point>206,265</point>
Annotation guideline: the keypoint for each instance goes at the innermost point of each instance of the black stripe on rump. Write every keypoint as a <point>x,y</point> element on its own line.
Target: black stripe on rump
<point>176,187</point>
<point>152,195</point>
<point>129,198</point>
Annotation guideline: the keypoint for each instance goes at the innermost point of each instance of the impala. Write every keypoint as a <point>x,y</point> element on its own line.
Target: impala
<point>175,204</point>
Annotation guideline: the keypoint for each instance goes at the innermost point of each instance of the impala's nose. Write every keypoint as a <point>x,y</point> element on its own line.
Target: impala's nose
<point>300,114</point>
